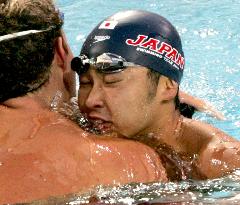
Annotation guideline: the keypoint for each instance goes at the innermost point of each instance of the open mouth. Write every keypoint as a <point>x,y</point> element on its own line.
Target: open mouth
<point>103,127</point>
<point>96,124</point>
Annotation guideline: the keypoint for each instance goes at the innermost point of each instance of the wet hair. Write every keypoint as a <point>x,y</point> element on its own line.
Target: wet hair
<point>185,109</point>
<point>26,60</point>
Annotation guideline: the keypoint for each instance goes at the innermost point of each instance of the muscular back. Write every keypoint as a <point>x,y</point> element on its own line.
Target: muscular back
<point>43,154</point>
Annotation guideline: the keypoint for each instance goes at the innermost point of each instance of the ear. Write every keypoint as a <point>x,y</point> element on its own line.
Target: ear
<point>69,77</point>
<point>63,57</point>
<point>169,88</point>
<point>60,53</point>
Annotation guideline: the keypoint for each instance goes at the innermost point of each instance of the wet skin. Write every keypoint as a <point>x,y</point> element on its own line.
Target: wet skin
<point>43,154</point>
<point>126,103</point>
<point>105,98</point>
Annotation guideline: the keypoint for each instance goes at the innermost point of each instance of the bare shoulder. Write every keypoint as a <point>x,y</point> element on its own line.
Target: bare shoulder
<point>203,132</point>
<point>217,153</point>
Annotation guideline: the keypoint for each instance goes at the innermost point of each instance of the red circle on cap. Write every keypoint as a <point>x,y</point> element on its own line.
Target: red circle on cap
<point>107,24</point>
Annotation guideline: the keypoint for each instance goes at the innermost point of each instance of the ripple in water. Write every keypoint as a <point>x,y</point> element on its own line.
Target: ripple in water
<point>224,190</point>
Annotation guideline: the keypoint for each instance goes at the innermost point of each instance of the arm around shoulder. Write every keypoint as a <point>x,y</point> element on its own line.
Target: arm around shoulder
<point>220,155</point>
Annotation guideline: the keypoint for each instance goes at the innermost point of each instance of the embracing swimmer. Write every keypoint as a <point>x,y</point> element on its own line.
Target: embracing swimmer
<point>43,154</point>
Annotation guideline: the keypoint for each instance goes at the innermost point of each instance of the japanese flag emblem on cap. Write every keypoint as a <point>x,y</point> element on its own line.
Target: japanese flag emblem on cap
<point>108,25</point>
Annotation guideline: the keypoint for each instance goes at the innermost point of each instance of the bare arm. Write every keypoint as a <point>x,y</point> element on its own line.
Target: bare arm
<point>220,159</point>
<point>200,105</point>
<point>219,153</point>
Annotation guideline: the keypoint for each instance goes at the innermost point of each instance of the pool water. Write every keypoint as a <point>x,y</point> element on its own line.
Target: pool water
<point>223,191</point>
<point>210,35</point>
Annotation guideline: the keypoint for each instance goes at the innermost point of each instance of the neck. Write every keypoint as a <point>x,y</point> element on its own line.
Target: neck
<point>48,96</point>
<point>26,101</point>
<point>165,127</point>
<point>169,128</point>
<point>44,97</point>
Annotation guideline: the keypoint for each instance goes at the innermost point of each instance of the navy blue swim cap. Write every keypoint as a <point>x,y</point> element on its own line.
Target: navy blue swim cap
<point>140,37</point>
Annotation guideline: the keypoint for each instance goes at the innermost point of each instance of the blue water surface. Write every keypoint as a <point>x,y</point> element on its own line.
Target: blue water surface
<point>210,33</point>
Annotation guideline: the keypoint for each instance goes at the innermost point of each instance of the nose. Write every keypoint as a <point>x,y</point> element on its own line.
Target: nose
<point>95,98</point>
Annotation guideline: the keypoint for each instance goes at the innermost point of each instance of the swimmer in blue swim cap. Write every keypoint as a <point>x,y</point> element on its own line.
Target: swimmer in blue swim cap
<point>127,39</point>
<point>130,68</point>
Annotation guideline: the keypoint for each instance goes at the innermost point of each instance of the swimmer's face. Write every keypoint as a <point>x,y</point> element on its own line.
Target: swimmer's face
<point>119,101</point>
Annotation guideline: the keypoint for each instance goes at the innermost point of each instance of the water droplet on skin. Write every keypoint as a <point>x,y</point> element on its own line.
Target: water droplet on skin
<point>36,162</point>
<point>1,163</point>
<point>216,162</point>
<point>213,134</point>
<point>31,136</point>
<point>151,135</point>
<point>56,101</point>
<point>9,150</point>
<point>85,134</point>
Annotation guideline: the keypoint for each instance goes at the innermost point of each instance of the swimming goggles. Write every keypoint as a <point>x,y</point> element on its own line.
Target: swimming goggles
<point>106,63</point>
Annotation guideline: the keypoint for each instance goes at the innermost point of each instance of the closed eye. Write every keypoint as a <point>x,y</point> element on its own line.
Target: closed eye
<point>112,78</point>
<point>112,81</point>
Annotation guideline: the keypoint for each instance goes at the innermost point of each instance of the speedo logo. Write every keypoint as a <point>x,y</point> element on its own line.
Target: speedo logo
<point>159,49</point>
<point>101,38</point>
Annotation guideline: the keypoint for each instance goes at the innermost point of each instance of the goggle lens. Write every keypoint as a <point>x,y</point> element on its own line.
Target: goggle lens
<point>105,63</point>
